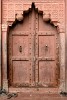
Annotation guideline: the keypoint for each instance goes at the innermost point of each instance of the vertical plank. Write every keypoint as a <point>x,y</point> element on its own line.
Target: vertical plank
<point>0,43</point>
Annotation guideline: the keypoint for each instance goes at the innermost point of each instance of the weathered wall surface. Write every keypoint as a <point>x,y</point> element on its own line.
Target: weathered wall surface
<point>52,9</point>
<point>56,9</point>
<point>66,42</point>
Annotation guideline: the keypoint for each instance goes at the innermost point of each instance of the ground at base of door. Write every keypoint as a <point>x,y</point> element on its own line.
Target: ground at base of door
<point>34,96</point>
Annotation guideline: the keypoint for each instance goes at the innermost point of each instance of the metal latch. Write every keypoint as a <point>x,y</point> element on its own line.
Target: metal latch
<point>20,49</point>
<point>46,47</point>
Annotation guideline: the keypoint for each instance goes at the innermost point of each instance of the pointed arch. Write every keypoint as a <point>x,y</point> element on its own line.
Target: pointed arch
<point>46,17</point>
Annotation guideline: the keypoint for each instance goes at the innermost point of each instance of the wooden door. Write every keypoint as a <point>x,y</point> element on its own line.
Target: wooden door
<point>33,53</point>
<point>46,53</point>
<point>19,54</point>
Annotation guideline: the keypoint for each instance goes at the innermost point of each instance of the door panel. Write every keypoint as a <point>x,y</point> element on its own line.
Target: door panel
<point>47,69</point>
<point>47,46</point>
<point>19,55</point>
<point>47,60</point>
<point>45,26</point>
<point>47,73</point>
<point>19,60</point>
<point>22,26</point>
<point>20,73</point>
<point>20,45</point>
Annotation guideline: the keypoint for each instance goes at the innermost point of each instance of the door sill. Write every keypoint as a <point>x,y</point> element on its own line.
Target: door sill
<point>35,90</point>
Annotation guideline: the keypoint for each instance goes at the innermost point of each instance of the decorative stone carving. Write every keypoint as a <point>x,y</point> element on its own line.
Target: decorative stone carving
<point>52,10</point>
<point>46,16</point>
<point>19,16</point>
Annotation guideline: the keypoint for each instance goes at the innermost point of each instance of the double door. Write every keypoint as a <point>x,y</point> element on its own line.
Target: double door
<point>33,53</point>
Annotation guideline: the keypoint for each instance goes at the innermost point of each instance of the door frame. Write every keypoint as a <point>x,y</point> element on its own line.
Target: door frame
<point>61,34</point>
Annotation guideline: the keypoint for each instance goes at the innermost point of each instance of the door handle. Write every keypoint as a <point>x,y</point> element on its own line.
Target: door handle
<point>20,49</point>
<point>46,47</point>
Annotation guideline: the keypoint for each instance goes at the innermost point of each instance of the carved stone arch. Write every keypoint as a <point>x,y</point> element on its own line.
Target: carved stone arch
<point>46,17</point>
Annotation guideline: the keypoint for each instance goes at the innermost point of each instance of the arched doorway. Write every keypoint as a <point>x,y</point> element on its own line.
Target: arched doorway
<point>33,53</point>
